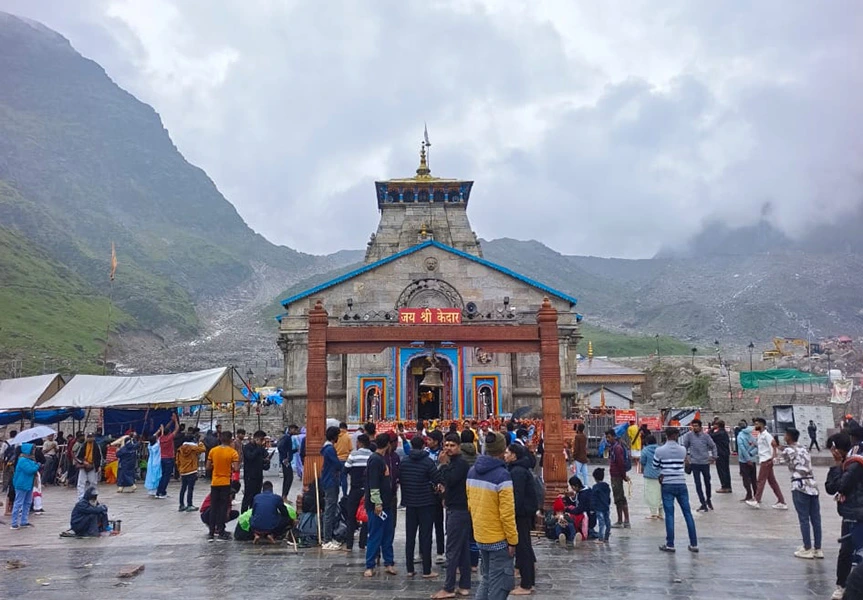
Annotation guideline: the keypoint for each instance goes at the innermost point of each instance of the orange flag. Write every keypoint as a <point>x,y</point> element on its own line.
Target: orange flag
<point>113,262</point>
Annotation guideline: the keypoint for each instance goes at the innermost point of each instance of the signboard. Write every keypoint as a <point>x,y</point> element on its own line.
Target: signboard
<point>624,416</point>
<point>430,316</point>
<point>653,423</point>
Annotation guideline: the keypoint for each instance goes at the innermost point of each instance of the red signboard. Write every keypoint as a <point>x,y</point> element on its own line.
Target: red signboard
<point>430,316</point>
<point>624,416</point>
<point>653,423</point>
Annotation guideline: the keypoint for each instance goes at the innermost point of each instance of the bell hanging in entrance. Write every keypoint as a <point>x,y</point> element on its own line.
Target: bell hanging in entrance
<point>432,377</point>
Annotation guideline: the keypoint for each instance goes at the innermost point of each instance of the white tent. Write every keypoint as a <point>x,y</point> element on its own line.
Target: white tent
<point>198,387</point>
<point>23,393</point>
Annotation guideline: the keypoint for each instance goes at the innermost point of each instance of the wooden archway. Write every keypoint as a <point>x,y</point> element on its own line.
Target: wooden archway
<point>373,339</point>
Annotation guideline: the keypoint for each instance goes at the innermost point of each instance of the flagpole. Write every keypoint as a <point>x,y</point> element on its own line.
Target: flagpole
<point>110,306</point>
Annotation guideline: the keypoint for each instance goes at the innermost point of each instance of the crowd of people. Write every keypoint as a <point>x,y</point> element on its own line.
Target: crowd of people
<point>475,492</point>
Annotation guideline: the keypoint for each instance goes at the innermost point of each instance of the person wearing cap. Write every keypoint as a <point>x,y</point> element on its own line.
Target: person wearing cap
<point>492,510</point>
<point>89,518</point>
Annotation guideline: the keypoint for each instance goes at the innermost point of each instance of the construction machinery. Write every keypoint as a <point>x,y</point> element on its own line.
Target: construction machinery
<point>789,347</point>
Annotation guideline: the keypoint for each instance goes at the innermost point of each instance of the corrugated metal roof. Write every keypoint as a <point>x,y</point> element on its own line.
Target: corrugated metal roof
<point>431,243</point>
<point>598,367</point>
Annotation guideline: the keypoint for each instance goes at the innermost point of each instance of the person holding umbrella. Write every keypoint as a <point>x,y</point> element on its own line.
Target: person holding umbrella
<point>25,475</point>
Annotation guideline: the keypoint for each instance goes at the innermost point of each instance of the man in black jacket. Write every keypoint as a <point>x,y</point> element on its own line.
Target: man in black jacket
<point>420,478</point>
<point>453,470</point>
<point>520,463</point>
<point>723,455</point>
<point>845,478</point>
<point>256,460</point>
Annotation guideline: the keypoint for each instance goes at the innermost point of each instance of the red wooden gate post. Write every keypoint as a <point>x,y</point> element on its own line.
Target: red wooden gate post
<point>316,391</point>
<point>554,464</point>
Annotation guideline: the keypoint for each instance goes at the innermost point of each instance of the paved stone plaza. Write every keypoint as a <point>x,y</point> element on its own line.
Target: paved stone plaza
<point>744,554</point>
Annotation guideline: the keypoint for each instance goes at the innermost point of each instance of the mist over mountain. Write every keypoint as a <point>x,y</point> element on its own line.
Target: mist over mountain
<point>83,164</point>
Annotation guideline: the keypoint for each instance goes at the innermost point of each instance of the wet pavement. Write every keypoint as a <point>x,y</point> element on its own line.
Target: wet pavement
<point>744,554</point>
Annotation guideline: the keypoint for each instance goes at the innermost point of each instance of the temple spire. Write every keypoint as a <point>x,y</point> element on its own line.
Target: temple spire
<point>423,170</point>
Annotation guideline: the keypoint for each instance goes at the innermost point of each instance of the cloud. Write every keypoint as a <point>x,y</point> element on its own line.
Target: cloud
<point>610,129</point>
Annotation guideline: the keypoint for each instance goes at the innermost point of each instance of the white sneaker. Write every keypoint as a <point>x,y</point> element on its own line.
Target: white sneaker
<point>753,503</point>
<point>804,553</point>
<point>780,506</point>
<point>561,539</point>
<point>838,593</point>
<point>818,553</point>
<point>441,559</point>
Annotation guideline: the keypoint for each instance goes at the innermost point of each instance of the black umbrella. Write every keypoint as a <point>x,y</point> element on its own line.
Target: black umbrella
<point>521,412</point>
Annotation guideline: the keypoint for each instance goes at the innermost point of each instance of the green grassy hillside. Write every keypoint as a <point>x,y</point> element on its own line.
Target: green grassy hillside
<point>609,343</point>
<point>49,311</point>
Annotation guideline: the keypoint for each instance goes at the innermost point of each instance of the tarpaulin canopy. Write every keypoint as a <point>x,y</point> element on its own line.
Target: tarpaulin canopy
<point>41,416</point>
<point>23,393</point>
<point>117,421</point>
<point>753,380</point>
<point>178,389</point>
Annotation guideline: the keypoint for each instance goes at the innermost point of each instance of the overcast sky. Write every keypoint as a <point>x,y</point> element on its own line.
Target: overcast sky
<point>606,128</point>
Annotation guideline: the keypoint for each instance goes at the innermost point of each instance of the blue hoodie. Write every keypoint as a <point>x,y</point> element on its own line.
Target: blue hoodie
<point>332,466</point>
<point>25,470</point>
<point>747,451</point>
<point>647,454</point>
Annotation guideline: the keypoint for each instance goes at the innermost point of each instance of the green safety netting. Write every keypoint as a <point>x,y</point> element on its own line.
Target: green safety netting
<point>753,380</point>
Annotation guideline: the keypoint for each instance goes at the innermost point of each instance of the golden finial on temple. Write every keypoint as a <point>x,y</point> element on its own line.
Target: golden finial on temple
<point>423,170</point>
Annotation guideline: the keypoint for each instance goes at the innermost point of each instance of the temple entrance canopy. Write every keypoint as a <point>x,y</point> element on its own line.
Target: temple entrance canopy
<point>541,338</point>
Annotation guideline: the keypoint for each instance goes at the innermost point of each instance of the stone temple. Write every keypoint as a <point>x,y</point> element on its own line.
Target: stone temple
<point>425,265</point>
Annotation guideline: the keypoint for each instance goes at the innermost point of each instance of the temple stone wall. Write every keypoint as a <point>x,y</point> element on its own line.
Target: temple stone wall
<point>377,292</point>
<point>401,225</point>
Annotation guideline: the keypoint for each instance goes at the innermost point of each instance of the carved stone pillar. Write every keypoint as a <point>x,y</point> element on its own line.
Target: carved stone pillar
<point>316,388</point>
<point>554,464</point>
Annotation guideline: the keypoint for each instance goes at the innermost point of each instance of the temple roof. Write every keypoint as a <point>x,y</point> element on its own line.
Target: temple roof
<point>423,188</point>
<point>597,370</point>
<point>430,243</point>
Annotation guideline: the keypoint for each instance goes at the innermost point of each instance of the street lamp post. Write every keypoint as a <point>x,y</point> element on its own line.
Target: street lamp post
<point>829,353</point>
<point>694,350</point>
<point>751,347</point>
<point>658,356</point>
<point>728,372</point>
<point>718,353</point>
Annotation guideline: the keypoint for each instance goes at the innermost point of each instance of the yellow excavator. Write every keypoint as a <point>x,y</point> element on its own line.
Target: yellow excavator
<point>787,346</point>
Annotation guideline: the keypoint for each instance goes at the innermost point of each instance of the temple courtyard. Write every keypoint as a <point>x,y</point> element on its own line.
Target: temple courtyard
<point>745,553</point>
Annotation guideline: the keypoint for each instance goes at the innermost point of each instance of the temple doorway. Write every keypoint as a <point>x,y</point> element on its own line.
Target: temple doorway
<point>428,403</point>
<point>373,403</point>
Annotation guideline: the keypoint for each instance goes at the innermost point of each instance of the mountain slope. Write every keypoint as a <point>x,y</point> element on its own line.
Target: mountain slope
<point>36,288</point>
<point>731,297</point>
<point>83,163</point>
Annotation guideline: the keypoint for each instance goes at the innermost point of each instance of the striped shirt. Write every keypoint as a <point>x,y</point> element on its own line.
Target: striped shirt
<point>669,459</point>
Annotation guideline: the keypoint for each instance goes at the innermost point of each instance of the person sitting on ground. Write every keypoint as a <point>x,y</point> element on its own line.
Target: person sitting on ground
<point>89,518</point>
<point>564,527</point>
<point>578,506</point>
<point>270,518</point>
<point>231,515</point>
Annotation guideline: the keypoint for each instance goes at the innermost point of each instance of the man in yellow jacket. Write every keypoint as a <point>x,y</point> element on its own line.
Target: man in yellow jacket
<point>492,510</point>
